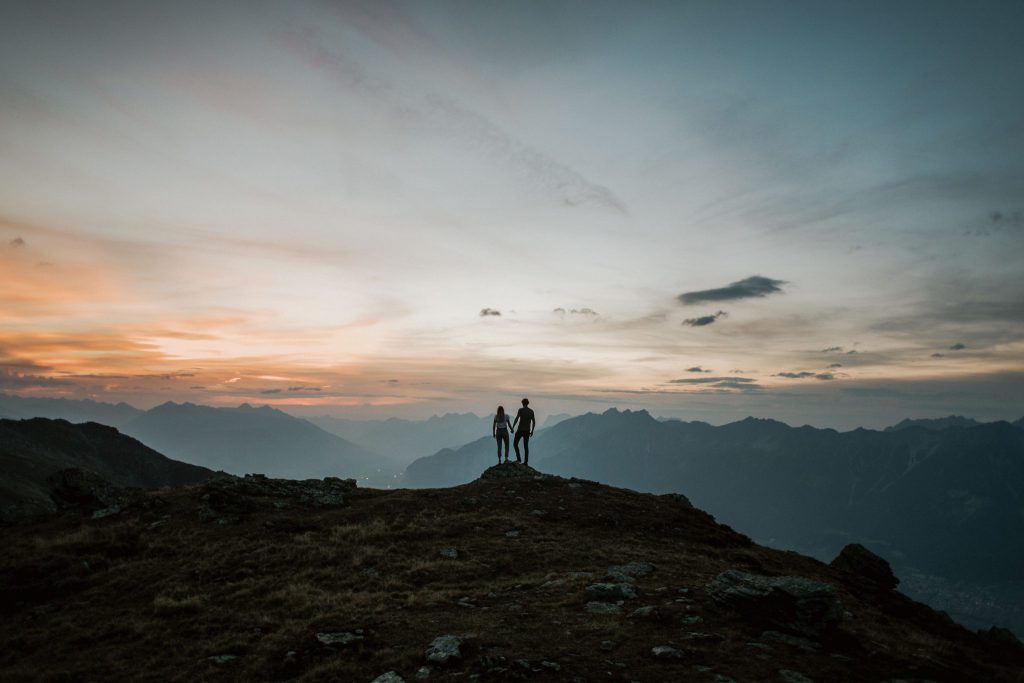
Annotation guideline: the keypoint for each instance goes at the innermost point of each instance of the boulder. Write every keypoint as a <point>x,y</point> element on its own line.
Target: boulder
<point>75,488</point>
<point>858,560</point>
<point>444,648</point>
<point>389,677</point>
<point>509,470</point>
<point>792,603</point>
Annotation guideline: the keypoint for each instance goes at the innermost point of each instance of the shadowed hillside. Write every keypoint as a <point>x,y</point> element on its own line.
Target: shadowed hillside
<point>514,576</point>
<point>33,451</point>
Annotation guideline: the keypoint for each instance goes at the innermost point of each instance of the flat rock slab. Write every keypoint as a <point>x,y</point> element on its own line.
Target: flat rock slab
<point>794,603</point>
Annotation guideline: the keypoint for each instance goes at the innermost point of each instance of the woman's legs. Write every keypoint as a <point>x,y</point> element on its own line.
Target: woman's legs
<point>502,437</point>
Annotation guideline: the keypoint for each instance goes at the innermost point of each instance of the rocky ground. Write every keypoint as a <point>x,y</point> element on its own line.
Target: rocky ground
<point>514,576</point>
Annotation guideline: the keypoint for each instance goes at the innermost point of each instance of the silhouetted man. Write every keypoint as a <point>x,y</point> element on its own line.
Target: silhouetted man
<point>524,425</point>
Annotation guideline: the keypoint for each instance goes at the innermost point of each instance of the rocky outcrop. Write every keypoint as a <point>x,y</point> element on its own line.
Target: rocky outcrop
<point>866,566</point>
<point>792,603</point>
<point>89,492</point>
<point>510,470</point>
<point>228,496</point>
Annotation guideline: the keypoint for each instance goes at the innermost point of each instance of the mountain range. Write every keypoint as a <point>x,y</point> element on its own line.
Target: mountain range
<point>409,440</point>
<point>73,410</point>
<point>256,440</point>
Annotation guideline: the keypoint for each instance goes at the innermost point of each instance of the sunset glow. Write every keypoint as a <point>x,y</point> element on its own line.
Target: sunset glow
<point>419,208</point>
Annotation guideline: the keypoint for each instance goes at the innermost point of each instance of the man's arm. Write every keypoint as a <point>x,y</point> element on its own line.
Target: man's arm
<point>533,422</point>
<point>517,419</point>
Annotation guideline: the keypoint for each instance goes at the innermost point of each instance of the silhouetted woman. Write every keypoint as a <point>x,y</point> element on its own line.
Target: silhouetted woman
<point>500,429</point>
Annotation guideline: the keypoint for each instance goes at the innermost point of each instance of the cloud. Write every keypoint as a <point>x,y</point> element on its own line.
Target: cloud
<point>18,380</point>
<point>824,376</point>
<point>697,368</point>
<point>303,388</point>
<point>998,222</point>
<point>832,349</point>
<point>484,312</point>
<point>754,287</point>
<point>271,391</point>
<point>575,311</point>
<point>795,375</point>
<point>958,347</point>
<point>704,319</point>
<point>711,380</point>
<point>851,352</point>
<point>17,243</point>
<point>836,365</point>
<point>938,355</point>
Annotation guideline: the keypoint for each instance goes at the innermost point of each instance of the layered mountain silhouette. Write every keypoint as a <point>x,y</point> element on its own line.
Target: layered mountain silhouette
<point>945,502</point>
<point>20,408</point>
<point>935,423</point>
<point>262,440</point>
<point>33,451</point>
<point>409,440</point>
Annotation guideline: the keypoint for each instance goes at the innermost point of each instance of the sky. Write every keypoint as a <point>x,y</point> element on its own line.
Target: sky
<point>800,210</point>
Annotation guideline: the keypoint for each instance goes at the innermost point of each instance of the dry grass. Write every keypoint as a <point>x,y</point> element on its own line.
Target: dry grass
<point>118,599</point>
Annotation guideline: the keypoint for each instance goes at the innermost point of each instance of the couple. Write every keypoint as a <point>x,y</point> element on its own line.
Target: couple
<point>523,427</point>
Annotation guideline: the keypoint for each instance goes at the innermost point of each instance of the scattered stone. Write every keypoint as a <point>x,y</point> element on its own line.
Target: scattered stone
<point>666,652</point>
<point>538,513</point>
<point>389,677</point>
<point>465,602</point>
<point>423,673</point>
<point>553,583</point>
<point>629,571</point>
<point>613,591</point>
<point>856,559</point>
<point>790,676</point>
<point>450,553</point>
<point>759,646</point>
<point>221,660</point>
<point>794,603</point>
<point>444,648</point>
<point>690,619</point>
<point>607,645</point>
<point>106,512</point>
<point>643,612</point>
<point>339,638</point>
<point>603,608</point>
<point>551,666</point>
<point>514,533</point>
<point>580,575</point>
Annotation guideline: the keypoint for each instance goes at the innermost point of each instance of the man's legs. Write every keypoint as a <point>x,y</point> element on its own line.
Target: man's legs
<point>526,449</point>
<point>515,444</point>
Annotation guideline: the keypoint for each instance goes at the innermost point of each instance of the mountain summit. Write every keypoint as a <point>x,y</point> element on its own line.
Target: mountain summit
<point>514,576</point>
